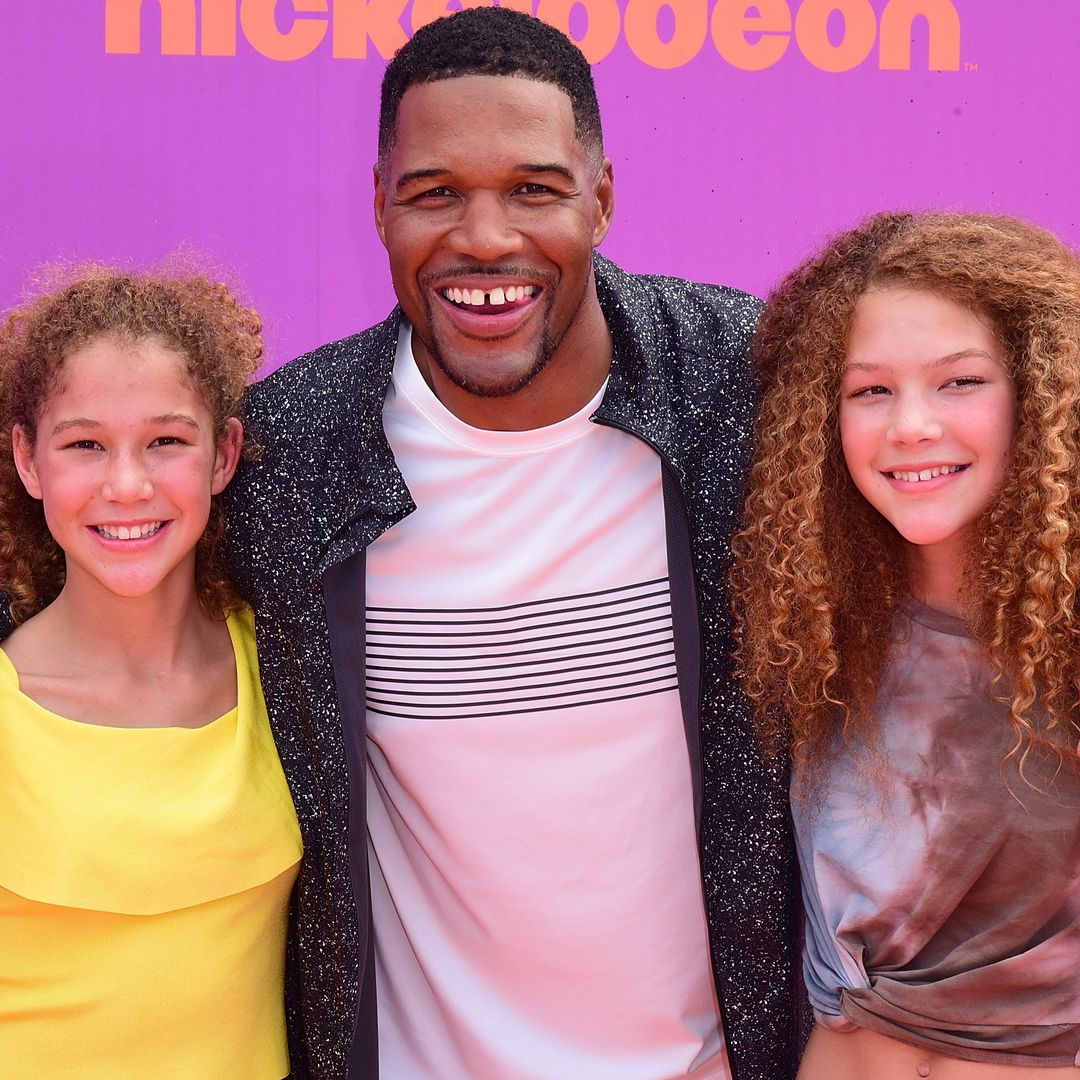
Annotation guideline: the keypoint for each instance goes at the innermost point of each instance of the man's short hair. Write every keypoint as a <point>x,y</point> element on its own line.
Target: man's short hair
<point>491,41</point>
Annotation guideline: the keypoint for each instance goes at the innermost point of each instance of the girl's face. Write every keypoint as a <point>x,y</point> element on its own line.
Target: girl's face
<point>927,415</point>
<point>125,464</point>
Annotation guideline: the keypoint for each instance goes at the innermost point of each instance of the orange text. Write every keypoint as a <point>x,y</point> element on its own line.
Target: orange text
<point>750,37</point>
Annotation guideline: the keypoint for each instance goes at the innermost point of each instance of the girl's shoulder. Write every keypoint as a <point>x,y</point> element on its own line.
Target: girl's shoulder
<point>29,648</point>
<point>64,674</point>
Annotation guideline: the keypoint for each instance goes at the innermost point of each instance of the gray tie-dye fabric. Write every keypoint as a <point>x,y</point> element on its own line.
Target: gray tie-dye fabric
<point>943,904</point>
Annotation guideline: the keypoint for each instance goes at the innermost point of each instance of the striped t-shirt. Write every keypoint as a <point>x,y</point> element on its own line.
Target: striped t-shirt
<point>535,882</point>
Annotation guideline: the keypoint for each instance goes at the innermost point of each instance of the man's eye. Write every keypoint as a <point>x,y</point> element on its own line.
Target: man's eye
<point>435,194</point>
<point>533,189</point>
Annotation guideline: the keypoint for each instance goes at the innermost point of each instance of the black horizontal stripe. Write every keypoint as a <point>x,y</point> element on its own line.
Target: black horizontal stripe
<point>517,712</point>
<point>559,653</point>
<point>466,631</point>
<point>664,623</point>
<point>500,667</point>
<point>628,602</point>
<point>534,697</point>
<point>381,634</point>
<point>401,688</point>
<point>524,604</point>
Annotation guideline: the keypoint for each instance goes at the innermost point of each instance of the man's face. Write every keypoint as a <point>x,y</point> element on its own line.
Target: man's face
<point>489,208</point>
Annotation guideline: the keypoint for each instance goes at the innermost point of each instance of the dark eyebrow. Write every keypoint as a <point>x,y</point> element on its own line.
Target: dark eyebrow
<point>941,361</point>
<point>961,354</point>
<point>547,167</point>
<point>175,418</point>
<point>405,179</point>
<point>525,169</point>
<point>164,418</point>
<point>74,422</point>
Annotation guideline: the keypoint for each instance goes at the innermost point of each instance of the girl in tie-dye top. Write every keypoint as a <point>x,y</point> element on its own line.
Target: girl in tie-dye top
<point>907,582</point>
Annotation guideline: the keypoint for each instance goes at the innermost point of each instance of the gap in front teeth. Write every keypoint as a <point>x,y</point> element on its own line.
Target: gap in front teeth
<point>926,474</point>
<point>498,296</point>
<point>124,532</point>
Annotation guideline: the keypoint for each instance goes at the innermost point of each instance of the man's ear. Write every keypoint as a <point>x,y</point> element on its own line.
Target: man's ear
<point>380,202</point>
<point>605,201</point>
<point>22,450</point>
<point>228,455</point>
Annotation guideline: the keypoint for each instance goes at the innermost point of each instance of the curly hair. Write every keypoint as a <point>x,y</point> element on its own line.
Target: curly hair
<point>819,573</point>
<point>491,41</point>
<point>220,341</point>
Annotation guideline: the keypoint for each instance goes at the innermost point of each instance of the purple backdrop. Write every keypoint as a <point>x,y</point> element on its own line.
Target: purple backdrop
<point>722,173</point>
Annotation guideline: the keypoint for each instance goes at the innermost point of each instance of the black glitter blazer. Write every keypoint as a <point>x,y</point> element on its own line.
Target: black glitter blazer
<point>300,520</point>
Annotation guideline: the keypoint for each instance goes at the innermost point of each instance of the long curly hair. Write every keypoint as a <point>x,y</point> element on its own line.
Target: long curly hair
<point>819,574</point>
<point>220,341</point>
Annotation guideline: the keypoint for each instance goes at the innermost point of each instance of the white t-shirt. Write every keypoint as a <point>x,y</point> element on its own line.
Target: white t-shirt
<point>535,882</point>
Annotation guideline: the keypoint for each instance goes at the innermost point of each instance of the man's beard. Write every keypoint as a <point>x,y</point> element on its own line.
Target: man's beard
<point>546,347</point>
<point>545,350</point>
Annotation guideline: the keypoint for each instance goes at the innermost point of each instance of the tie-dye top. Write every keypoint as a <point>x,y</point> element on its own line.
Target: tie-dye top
<point>943,903</point>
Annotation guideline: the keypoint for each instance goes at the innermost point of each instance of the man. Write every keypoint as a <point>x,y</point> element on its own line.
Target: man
<point>487,545</point>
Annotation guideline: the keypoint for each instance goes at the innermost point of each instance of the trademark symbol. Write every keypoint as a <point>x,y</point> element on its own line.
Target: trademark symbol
<point>971,67</point>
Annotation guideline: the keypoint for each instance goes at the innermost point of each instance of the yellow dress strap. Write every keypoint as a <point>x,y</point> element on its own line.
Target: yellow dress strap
<point>142,821</point>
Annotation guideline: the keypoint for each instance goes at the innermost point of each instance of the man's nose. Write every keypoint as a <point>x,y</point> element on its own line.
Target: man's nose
<point>486,230</point>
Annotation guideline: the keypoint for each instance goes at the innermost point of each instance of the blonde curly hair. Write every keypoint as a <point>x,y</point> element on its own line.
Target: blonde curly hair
<point>818,573</point>
<point>220,340</point>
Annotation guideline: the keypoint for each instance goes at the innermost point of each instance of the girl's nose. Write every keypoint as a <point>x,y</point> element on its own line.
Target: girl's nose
<point>127,480</point>
<point>914,420</point>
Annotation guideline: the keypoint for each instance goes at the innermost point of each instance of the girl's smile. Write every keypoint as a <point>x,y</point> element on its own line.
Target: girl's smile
<point>926,417</point>
<point>125,461</point>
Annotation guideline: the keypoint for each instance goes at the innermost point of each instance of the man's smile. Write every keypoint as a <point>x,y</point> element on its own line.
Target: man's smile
<point>488,304</point>
<point>500,297</point>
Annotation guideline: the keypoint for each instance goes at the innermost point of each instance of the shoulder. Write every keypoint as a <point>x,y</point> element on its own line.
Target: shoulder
<point>692,317</point>
<point>242,636</point>
<point>317,423</point>
<point>315,413</point>
<point>324,387</point>
<point>241,624</point>
<point>27,645</point>
<point>681,352</point>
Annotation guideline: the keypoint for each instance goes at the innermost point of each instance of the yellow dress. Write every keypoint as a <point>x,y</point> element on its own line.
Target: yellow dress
<point>144,889</point>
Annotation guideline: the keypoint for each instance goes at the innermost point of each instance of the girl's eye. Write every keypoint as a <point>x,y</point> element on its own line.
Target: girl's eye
<point>169,440</point>
<point>966,380</point>
<point>82,444</point>
<point>868,391</point>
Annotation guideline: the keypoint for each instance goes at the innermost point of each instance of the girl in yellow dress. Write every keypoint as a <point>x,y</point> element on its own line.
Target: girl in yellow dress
<point>148,842</point>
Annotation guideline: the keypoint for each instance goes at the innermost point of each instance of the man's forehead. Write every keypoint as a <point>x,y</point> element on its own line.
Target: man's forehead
<point>481,122</point>
<point>501,86</point>
<point>483,100</point>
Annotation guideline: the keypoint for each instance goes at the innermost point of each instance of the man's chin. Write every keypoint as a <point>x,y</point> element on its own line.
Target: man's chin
<point>496,381</point>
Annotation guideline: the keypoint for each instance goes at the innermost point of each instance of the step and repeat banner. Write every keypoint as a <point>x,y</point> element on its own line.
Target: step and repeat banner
<point>742,134</point>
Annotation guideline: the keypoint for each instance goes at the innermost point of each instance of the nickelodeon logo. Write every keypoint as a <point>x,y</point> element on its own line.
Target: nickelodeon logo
<point>832,35</point>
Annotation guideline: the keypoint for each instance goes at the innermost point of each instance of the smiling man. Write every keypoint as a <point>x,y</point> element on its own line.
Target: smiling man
<point>490,243</point>
<point>487,546</point>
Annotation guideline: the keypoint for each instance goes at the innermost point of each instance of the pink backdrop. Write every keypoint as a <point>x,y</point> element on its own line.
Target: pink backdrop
<point>742,134</point>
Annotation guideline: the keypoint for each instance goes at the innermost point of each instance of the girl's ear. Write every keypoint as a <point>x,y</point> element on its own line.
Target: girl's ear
<point>228,455</point>
<point>22,450</point>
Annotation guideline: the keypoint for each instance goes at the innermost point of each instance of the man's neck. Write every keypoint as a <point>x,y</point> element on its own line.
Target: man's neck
<point>567,384</point>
